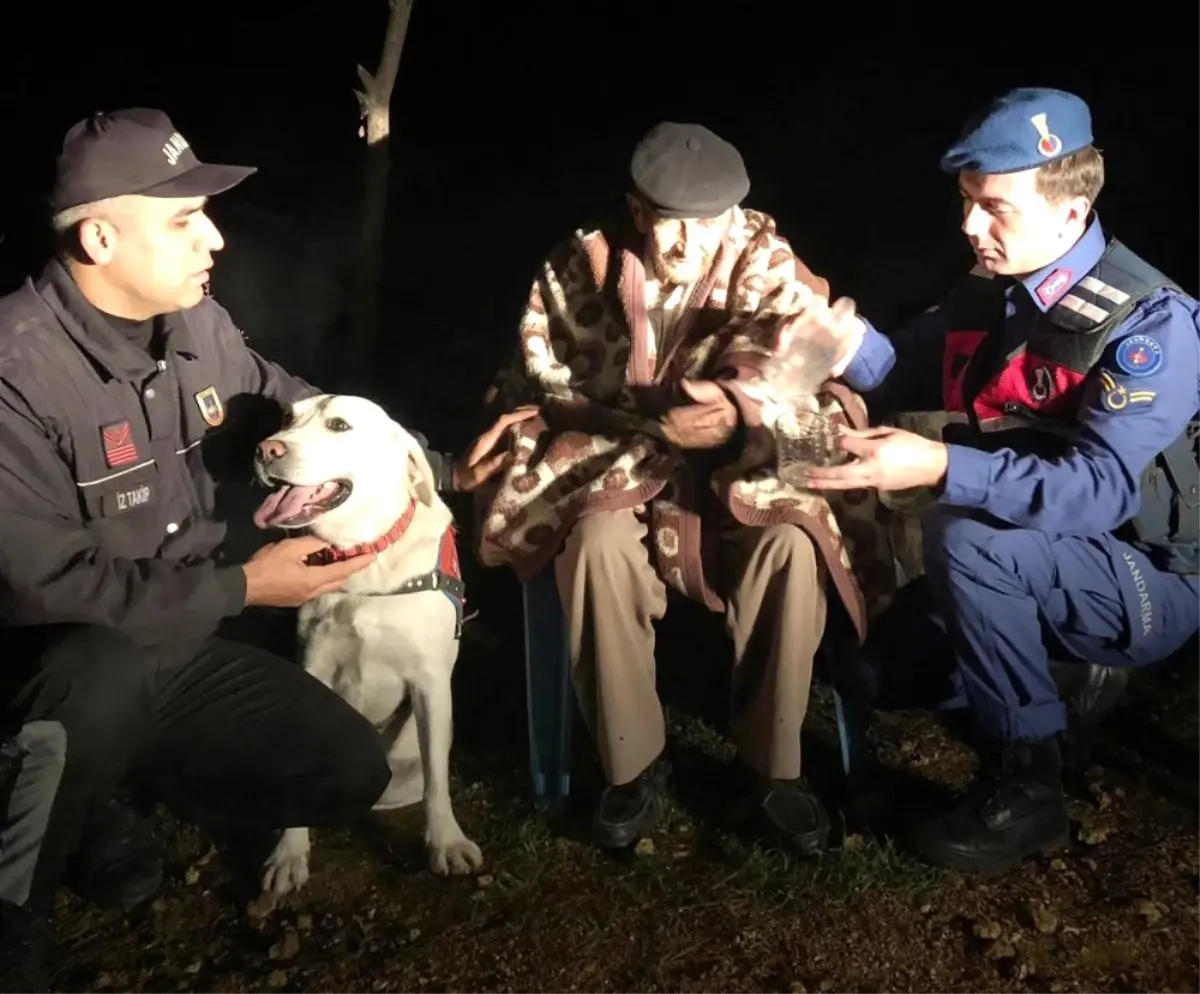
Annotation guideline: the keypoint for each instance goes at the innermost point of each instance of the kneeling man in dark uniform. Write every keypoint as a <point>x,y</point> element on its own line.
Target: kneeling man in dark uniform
<point>121,383</point>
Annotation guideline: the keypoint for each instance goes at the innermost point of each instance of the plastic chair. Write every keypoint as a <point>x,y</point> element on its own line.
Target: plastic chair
<point>550,697</point>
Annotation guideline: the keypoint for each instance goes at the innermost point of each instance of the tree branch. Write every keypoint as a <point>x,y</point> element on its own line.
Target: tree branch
<point>376,93</point>
<point>374,100</point>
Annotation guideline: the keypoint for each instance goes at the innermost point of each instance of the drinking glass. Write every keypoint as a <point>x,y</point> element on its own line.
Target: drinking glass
<point>804,439</point>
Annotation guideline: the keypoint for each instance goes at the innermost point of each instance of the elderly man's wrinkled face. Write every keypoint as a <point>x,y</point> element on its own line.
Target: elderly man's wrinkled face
<point>680,249</point>
<point>1012,227</point>
<point>155,253</point>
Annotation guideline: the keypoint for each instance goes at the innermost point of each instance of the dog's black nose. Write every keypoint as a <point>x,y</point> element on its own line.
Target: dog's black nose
<point>271,449</point>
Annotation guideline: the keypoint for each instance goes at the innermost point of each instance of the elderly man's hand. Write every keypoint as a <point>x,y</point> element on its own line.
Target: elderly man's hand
<point>707,423</point>
<point>486,456</point>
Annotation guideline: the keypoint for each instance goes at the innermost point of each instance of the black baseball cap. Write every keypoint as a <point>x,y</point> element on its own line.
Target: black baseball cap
<point>133,151</point>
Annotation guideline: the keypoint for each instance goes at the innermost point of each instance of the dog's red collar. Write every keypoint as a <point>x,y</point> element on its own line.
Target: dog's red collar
<point>446,577</point>
<point>394,534</point>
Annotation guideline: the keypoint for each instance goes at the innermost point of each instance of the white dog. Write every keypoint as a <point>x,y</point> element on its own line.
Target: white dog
<point>387,641</point>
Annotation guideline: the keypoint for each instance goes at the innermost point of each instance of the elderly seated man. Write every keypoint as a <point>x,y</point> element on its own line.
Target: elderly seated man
<point>644,344</point>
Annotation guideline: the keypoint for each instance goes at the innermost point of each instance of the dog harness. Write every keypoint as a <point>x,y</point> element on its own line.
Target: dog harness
<point>446,576</point>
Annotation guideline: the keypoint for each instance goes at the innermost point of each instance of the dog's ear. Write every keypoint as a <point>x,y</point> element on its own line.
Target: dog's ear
<point>420,474</point>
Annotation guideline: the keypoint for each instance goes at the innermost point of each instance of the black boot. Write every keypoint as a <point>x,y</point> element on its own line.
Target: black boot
<point>1091,692</point>
<point>119,864</point>
<point>628,812</point>
<point>793,814</point>
<point>1015,808</point>
<point>25,936</point>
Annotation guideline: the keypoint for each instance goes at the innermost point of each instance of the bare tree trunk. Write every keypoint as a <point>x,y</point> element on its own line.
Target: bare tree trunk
<point>373,101</point>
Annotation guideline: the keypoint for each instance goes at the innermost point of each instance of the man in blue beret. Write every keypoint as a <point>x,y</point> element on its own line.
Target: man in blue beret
<point>1063,514</point>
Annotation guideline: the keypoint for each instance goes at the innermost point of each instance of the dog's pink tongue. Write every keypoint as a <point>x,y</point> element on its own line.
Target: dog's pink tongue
<point>286,503</point>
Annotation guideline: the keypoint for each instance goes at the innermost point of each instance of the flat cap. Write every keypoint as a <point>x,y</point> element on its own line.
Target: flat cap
<point>133,151</point>
<point>684,170</point>
<point>1022,129</point>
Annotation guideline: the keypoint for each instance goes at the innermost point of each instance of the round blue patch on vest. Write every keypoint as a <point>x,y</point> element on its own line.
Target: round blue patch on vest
<point>1139,355</point>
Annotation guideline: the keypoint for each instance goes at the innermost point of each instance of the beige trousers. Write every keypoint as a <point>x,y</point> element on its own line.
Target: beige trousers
<point>775,615</point>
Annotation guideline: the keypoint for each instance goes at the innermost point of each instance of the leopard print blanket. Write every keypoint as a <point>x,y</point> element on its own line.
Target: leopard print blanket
<point>585,357</point>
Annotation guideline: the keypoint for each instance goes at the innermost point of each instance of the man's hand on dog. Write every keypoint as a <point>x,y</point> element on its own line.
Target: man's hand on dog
<point>707,423</point>
<point>277,575</point>
<point>481,461</point>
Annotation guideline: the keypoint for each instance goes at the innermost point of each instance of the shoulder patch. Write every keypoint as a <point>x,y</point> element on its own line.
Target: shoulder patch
<point>119,446</point>
<point>1139,355</point>
<point>1054,286</point>
<point>1116,397</point>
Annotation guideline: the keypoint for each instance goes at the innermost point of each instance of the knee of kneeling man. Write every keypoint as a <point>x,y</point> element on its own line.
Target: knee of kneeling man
<point>99,666</point>
<point>945,530</point>
<point>951,535</point>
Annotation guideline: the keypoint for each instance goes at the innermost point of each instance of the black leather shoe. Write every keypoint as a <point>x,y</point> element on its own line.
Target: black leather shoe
<point>628,812</point>
<point>1091,692</point>
<point>25,937</point>
<point>1015,809</point>
<point>119,864</point>
<point>794,815</point>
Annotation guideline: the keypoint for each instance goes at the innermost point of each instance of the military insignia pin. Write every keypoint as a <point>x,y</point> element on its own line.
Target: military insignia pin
<point>1049,144</point>
<point>211,408</point>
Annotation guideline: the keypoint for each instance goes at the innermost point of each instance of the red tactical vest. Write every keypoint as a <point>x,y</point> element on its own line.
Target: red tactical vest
<point>1041,383</point>
<point>1030,400</point>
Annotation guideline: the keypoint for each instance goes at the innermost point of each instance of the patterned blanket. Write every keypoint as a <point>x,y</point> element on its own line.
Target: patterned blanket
<point>588,358</point>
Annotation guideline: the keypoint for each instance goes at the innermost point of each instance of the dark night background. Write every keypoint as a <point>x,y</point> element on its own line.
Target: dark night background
<point>514,126</point>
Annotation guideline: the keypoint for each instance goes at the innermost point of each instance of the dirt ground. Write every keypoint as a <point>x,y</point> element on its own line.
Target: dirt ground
<point>701,906</point>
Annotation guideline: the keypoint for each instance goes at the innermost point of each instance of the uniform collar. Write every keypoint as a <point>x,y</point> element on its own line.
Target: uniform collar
<point>1050,284</point>
<point>103,344</point>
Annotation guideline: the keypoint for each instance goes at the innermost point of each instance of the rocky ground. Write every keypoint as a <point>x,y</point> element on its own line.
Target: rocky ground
<point>700,906</point>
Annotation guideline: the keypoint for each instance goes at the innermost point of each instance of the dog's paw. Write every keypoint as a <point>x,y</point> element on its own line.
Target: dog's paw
<point>456,854</point>
<point>286,869</point>
<point>284,874</point>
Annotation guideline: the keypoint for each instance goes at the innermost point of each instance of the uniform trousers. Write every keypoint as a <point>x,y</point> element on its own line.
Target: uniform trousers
<point>997,603</point>
<point>228,735</point>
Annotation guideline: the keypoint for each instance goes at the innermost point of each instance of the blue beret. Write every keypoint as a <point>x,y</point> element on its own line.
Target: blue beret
<point>1022,129</point>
